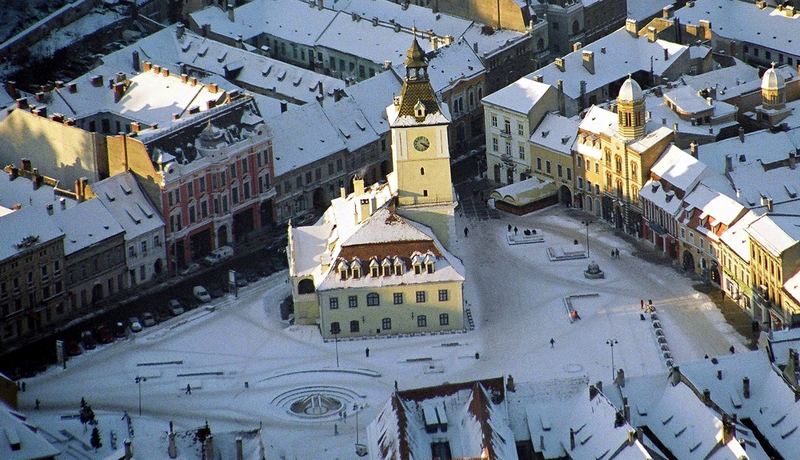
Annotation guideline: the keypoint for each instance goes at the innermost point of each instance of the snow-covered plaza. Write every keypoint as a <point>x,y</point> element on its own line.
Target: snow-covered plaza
<point>246,368</point>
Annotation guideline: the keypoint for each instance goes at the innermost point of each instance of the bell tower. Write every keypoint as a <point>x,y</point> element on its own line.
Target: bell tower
<point>631,110</point>
<point>420,152</point>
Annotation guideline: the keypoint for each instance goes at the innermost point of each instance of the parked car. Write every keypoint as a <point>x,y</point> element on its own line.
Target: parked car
<point>191,268</point>
<point>148,319</point>
<point>134,324</point>
<point>72,348</point>
<point>241,280</point>
<point>218,255</point>
<point>88,341</point>
<point>120,331</point>
<point>200,293</point>
<point>175,307</point>
<point>215,291</point>
<point>104,334</point>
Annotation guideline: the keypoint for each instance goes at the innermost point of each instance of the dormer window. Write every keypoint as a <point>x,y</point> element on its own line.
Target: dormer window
<point>343,267</point>
<point>419,110</point>
<point>429,262</point>
<point>355,268</point>
<point>374,268</point>
<point>386,267</point>
<point>398,267</point>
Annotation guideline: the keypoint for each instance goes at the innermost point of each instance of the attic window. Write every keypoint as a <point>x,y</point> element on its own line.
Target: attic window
<point>375,271</point>
<point>419,110</point>
<point>125,189</point>
<point>417,269</point>
<point>356,271</point>
<point>429,266</point>
<point>398,268</point>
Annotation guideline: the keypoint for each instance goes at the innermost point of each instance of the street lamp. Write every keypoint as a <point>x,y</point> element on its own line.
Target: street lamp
<point>611,343</point>
<point>335,331</point>
<point>586,223</point>
<point>139,381</point>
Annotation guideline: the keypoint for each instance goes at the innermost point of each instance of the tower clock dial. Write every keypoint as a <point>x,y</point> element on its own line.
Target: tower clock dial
<point>422,143</point>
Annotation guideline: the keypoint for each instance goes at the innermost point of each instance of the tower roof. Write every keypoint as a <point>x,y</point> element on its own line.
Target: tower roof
<point>415,56</point>
<point>630,91</point>
<point>772,79</point>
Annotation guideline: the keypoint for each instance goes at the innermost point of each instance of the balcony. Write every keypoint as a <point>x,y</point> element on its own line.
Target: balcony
<point>505,133</point>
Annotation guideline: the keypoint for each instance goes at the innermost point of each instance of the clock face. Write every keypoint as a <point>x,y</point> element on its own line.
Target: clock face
<point>422,143</point>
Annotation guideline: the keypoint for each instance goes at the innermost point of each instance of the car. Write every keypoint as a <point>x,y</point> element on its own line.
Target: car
<point>104,334</point>
<point>241,280</point>
<point>72,348</point>
<point>200,293</point>
<point>120,331</point>
<point>218,255</point>
<point>88,341</point>
<point>215,291</point>
<point>189,269</point>
<point>134,324</point>
<point>148,319</point>
<point>176,307</point>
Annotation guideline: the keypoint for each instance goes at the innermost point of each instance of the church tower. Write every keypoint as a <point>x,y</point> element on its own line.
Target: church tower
<point>631,110</point>
<point>420,152</point>
<point>773,108</point>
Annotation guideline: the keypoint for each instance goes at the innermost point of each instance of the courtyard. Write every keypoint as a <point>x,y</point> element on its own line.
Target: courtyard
<point>247,369</point>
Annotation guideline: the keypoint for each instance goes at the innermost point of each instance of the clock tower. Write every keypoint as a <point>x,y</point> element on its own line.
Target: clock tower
<point>420,152</point>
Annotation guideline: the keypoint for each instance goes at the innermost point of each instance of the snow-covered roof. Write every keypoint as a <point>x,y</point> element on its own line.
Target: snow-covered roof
<point>771,406</point>
<point>780,341</point>
<point>643,9</point>
<point>373,95</point>
<point>302,136</point>
<point>489,44</point>
<point>408,16</point>
<point>714,204</point>
<point>556,132</point>
<point>173,46</point>
<point>291,20</point>
<point>731,81</point>
<point>20,440</point>
<point>759,145</point>
<point>744,22</point>
<point>630,91</point>
<point>520,96</point>
<point>721,114</point>
<point>21,191</point>
<point>650,139</point>
<point>522,192</point>
<point>384,226</point>
<point>148,97</point>
<point>776,232</point>
<point>124,198</point>
<point>347,117</point>
<point>85,225</point>
<point>449,65</point>
<point>599,120</point>
<point>736,236</point>
<point>679,168</point>
<point>19,225</point>
<point>615,57</point>
<point>792,286</point>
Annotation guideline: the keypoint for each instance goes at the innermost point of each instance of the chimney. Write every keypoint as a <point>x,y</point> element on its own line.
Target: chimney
<point>769,209</point>
<point>25,165</point>
<point>741,134</point>
<point>49,209</point>
<point>321,4</point>
<point>205,29</point>
<point>156,68</point>
<point>719,374</point>
<point>62,202</point>
<point>727,429</point>
<point>626,411</point>
<point>22,103</point>
<point>651,34</point>
<point>39,96</point>
<point>240,41</point>
<point>631,437</point>
<point>136,60</point>
<point>358,185</point>
<point>337,95</point>
<point>119,90</point>
<point>693,149</point>
<point>212,88</point>
<point>728,163</point>
<point>37,179</point>
<point>746,388</point>
<point>705,25</point>
<point>284,106</point>
<point>707,397</point>
<point>211,104</point>
<point>571,439</point>
<point>40,111</point>
<point>184,78</point>
<point>180,29</point>
<point>80,188</point>
<point>72,87</point>
<point>576,46</point>
<point>128,449</point>
<point>632,27</point>
<point>666,12</point>
<point>97,81</point>
<point>165,71</point>
<point>666,54</point>
<point>560,64</point>
<point>146,66</point>
<point>231,14</point>
<point>239,447</point>
<point>538,78</point>
<point>11,88</point>
<point>172,448</point>
<point>588,61</point>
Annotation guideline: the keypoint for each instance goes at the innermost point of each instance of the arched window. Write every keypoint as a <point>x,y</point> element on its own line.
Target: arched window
<point>540,44</point>
<point>633,169</point>
<point>305,286</point>
<point>373,299</point>
<point>421,171</point>
<point>619,188</point>
<point>575,27</point>
<point>618,163</point>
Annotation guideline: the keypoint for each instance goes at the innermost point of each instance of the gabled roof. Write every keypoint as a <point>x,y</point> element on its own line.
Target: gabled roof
<point>556,132</point>
<point>385,226</point>
<point>679,168</point>
<point>19,225</point>
<point>520,96</point>
<point>85,225</point>
<point>124,198</point>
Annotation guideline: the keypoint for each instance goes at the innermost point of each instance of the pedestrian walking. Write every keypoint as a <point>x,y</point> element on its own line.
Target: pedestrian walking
<point>732,350</point>
<point>612,253</point>
<point>552,342</point>
<point>366,352</point>
<point>37,404</point>
<point>466,232</point>
<point>515,230</point>
<point>641,304</point>
<point>83,402</point>
<point>395,385</point>
<point>617,252</point>
<point>705,357</point>
<point>650,302</point>
<point>509,228</point>
<point>188,388</point>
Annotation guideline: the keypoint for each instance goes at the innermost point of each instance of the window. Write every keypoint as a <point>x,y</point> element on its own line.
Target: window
<point>235,195</point>
<point>375,270</point>
<point>132,250</point>
<point>539,164</point>
<point>495,144</point>
<point>246,190</point>
<point>421,171</point>
<point>142,275</point>
<point>521,152</point>
<point>506,126</point>
<point>373,299</point>
<point>202,183</point>
<point>422,321</point>
<point>354,325</point>
<point>444,319</point>
<point>559,171</point>
<point>386,324</point>
<point>494,121</point>
<point>233,170</point>
<point>443,295</point>
<point>191,214</point>
<point>333,302</point>
<point>352,301</point>
<point>520,129</point>
<point>547,167</point>
<point>569,173</point>
<point>204,209</point>
<point>244,165</point>
<point>580,182</point>
<point>420,296</point>
<point>398,298</point>
<point>144,248</point>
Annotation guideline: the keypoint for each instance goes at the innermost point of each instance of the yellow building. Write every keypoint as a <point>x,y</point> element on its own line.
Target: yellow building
<point>735,258</point>
<point>377,263</point>
<point>614,154</point>
<point>551,153</point>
